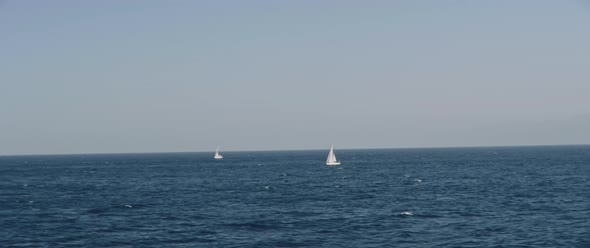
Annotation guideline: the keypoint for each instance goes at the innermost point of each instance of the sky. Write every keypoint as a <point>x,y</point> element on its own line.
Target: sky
<point>116,76</point>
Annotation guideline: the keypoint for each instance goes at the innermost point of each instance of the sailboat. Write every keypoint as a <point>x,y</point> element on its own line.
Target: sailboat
<point>217,155</point>
<point>331,160</point>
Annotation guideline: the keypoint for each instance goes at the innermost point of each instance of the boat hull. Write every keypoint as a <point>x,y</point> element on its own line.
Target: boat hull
<point>333,163</point>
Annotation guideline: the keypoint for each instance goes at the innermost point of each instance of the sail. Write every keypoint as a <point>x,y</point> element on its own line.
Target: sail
<point>217,155</point>
<point>331,156</point>
<point>331,160</point>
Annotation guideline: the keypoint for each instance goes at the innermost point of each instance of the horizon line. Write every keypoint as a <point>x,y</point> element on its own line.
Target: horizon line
<point>287,150</point>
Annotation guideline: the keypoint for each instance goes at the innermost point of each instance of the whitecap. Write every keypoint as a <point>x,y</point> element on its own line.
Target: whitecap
<point>129,206</point>
<point>418,180</point>
<point>407,213</point>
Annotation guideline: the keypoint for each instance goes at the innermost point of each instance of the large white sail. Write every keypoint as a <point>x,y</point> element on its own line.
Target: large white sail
<point>331,160</point>
<point>217,155</point>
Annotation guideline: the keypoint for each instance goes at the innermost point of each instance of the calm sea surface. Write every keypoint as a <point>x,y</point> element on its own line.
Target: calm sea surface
<point>451,197</point>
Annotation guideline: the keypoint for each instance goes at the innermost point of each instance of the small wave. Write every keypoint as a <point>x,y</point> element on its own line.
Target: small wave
<point>97,210</point>
<point>363,196</point>
<point>426,215</point>
<point>100,210</point>
<point>255,225</point>
<point>269,187</point>
<point>188,240</point>
<point>289,243</point>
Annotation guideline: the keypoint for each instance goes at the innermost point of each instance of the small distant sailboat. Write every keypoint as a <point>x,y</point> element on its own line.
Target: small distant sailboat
<point>217,155</point>
<point>331,160</point>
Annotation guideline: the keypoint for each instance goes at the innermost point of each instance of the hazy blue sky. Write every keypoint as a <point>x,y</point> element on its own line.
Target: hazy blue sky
<point>144,76</point>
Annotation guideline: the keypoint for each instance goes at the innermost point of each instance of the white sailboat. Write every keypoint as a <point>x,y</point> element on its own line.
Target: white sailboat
<point>217,155</point>
<point>331,160</point>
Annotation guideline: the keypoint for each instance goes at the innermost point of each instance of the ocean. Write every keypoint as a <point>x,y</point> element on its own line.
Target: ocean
<point>431,197</point>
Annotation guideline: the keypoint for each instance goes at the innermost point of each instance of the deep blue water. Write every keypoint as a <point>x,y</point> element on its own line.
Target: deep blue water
<point>454,197</point>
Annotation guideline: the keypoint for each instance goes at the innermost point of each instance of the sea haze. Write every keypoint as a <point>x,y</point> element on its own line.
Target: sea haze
<point>444,197</point>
